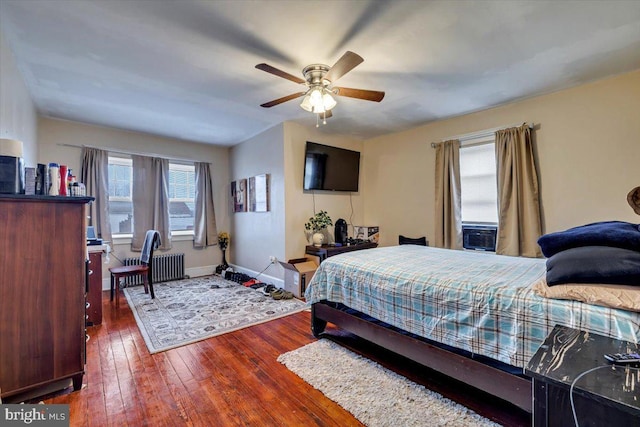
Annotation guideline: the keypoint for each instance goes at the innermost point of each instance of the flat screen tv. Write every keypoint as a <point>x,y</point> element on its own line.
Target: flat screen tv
<point>331,168</point>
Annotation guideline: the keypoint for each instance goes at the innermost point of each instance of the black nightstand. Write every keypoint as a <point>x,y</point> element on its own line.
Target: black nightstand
<point>325,251</point>
<point>607,396</point>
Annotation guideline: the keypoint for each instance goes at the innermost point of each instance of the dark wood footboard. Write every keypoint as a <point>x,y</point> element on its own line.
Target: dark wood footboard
<point>506,386</point>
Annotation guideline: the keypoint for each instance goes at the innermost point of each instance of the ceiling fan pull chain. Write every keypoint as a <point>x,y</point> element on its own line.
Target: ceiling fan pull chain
<point>318,120</point>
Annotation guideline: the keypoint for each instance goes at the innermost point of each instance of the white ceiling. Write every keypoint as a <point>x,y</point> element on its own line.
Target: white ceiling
<point>185,69</point>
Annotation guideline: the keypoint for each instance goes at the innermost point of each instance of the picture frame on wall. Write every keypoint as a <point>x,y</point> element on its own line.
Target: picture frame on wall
<point>239,195</point>
<point>259,193</point>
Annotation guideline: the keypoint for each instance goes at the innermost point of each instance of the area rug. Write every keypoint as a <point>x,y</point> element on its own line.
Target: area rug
<point>190,310</point>
<point>376,396</point>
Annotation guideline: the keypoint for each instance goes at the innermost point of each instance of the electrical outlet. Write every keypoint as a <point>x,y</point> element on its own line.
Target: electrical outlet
<point>273,259</point>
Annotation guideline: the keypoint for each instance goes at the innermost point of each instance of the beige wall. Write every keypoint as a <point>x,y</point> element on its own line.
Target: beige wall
<point>18,118</point>
<point>588,150</point>
<point>52,133</point>
<point>279,152</point>
<point>300,205</point>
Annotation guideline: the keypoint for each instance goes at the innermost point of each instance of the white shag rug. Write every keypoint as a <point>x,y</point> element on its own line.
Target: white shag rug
<point>376,396</point>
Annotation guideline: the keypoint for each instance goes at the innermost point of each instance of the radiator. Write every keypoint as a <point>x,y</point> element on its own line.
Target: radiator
<point>163,268</point>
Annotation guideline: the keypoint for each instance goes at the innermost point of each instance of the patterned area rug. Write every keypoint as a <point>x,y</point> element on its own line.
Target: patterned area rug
<point>186,311</point>
<point>376,396</point>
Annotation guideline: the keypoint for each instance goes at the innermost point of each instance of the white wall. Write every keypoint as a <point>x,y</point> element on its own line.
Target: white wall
<point>255,236</point>
<point>587,144</point>
<point>52,133</point>
<point>18,118</point>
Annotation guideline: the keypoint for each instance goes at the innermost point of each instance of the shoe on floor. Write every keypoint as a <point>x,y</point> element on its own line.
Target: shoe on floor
<point>281,294</point>
<point>266,291</point>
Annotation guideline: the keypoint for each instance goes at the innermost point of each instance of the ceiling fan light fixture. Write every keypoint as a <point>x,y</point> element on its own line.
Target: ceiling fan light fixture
<point>318,100</point>
<point>306,103</point>
<point>327,101</point>
<point>318,79</point>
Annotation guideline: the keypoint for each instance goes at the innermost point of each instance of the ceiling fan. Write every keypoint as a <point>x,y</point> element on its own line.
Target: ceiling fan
<point>319,80</point>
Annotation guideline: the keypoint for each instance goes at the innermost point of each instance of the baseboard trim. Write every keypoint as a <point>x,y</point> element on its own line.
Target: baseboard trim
<point>191,272</point>
<point>200,271</point>
<point>278,283</point>
<point>210,269</point>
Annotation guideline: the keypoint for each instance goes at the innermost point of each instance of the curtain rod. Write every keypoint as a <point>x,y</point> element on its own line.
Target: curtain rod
<point>481,133</point>
<point>135,153</point>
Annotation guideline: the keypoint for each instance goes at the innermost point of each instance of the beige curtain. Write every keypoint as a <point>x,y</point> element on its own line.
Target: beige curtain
<point>205,232</point>
<point>94,174</point>
<point>519,225</point>
<point>150,196</point>
<point>448,216</point>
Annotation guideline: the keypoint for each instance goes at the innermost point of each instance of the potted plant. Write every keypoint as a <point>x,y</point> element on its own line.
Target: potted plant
<point>317,224</point>
<point>223,243</point>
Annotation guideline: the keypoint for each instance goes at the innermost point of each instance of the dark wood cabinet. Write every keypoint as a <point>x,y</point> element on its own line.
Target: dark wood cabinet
<point>603,395</point>
<point>325,251</point>
<point>94,287</point>
<point>42,291</point>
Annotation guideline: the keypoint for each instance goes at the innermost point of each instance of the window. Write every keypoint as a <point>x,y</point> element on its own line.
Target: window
<point>182,191</point>
<point>120,201</point>
<point>182,196</point>
<point>479,193</point>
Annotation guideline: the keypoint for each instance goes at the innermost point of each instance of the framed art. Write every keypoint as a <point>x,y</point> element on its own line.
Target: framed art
<point>259,193</point>
<point>239,195</point>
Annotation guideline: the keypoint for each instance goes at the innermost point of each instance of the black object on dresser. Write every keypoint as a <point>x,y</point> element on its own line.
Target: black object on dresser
<point>603,395</point>
<point>325,251</point>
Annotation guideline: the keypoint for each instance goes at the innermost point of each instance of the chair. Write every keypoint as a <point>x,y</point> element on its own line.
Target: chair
<point>151,242</point>
<point>421,241</point>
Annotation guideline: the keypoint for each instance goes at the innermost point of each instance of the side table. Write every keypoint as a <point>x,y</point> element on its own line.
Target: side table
<point>608,395</point>
<point>325,251</point>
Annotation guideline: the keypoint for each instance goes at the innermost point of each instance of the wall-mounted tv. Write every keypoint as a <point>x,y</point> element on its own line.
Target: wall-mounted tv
<point>330,168</point>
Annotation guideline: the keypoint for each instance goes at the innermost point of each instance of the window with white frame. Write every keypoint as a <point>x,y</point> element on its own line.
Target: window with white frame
<point>479,193</point>
<point>120,196</point>
<point>181,195</point>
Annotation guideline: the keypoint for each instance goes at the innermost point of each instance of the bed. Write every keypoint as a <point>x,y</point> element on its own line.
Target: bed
<point>470,315</point>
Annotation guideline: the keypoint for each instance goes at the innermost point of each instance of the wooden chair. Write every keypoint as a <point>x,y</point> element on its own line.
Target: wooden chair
<point>421,241</point>
<point>144,269</point>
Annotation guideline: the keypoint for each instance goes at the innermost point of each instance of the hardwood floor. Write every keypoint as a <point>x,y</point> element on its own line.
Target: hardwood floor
<point>230,380</point>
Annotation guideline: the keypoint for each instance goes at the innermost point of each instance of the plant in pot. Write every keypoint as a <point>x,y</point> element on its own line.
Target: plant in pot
<point>317,224</point>
<point>223,244</point>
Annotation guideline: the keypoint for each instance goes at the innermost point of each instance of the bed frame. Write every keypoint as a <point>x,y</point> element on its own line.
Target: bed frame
<point>504,385</point>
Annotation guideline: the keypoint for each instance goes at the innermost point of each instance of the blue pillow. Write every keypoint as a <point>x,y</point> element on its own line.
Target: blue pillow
<point>609,233</point>
<point>594,264</point>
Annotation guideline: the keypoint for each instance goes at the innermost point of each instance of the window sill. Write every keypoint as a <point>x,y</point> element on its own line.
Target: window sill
<point>176,236</point>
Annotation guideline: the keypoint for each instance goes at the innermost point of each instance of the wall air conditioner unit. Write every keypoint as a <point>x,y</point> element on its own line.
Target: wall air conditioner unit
<point>479,237</point>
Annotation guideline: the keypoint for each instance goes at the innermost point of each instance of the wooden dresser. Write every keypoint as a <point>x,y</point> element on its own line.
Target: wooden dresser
<point>94,287</point>
<point>42,291</point>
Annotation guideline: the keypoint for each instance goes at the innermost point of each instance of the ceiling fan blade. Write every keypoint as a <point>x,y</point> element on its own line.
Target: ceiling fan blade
<point>279,73</point>
<point>281,100</point>
<point>326,114</point>
<point>368,95</point>
<point>348,62</point>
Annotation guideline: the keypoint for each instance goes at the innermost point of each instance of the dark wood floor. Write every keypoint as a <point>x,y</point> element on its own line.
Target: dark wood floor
<point>233,379</point>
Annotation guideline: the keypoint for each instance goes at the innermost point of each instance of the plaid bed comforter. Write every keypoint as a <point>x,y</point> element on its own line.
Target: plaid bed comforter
<point>479,302</point>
